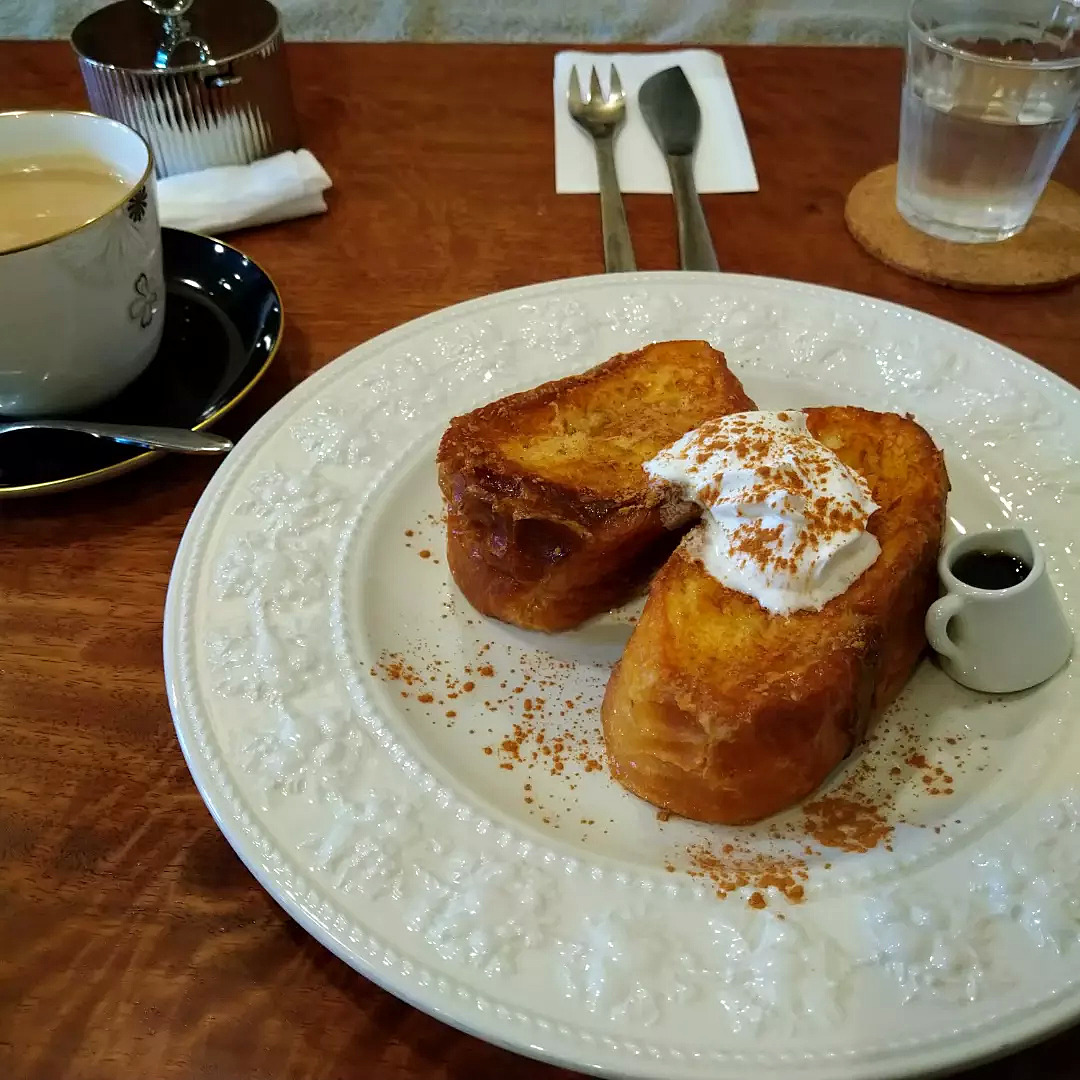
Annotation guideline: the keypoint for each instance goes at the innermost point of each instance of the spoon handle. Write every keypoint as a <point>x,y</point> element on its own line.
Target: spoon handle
<point>153,438</point>
<point>696,251</point>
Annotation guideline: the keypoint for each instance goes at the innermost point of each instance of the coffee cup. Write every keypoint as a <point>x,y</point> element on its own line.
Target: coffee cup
<point>82,293</point>
<point>999,627</point>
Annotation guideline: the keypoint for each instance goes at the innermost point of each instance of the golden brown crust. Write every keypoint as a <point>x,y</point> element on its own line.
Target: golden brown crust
<point>550,519</point>
<point>721,712</point>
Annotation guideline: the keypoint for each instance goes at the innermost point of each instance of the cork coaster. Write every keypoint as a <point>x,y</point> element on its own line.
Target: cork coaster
<point>1045,254</point>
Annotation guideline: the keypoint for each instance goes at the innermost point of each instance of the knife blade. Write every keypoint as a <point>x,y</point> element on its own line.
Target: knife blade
<point>673,117</point>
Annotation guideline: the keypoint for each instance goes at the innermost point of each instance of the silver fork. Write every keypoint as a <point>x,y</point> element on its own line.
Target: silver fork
<point>601,117</point>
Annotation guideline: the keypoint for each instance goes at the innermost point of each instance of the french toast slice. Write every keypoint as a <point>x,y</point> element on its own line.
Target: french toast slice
<point>550,517</point>
<point>722,712</point>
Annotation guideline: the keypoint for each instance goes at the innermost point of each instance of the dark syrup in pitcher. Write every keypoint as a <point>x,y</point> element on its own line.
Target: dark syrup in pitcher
<point>990,569</point>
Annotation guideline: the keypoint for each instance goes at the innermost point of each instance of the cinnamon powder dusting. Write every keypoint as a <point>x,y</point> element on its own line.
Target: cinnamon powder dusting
<point>741,867</point>
<point>849,824</point>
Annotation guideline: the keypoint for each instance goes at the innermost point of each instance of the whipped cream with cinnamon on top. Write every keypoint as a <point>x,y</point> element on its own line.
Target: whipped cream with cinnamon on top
<point>785,520</point>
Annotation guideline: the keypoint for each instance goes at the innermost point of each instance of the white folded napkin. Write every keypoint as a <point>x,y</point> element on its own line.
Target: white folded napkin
<point>288,185</point>
<point>722,161</point>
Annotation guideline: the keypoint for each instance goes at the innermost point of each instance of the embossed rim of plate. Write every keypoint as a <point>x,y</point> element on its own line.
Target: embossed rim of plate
<point>533,1033</point>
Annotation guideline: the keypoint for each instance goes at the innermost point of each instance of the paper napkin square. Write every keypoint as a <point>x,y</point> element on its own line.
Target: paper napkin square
<point>722,162</point>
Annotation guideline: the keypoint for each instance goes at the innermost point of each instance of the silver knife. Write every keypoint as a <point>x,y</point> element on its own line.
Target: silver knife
<point>671,111</point>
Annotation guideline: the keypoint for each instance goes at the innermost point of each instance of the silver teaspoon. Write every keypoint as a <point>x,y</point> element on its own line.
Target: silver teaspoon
<point>153,438</point>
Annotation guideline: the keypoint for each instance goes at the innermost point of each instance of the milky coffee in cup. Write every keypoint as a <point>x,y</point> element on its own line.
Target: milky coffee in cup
<point>50,194</point>
<point>82,292</point>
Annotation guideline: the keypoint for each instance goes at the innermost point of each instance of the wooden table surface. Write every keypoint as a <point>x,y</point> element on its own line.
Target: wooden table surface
<point>133,943</point>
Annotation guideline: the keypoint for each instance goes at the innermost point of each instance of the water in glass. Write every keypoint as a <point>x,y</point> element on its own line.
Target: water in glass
<point>984,119</point>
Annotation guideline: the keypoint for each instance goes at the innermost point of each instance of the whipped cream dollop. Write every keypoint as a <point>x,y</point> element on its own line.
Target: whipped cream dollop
<point>784,518</point>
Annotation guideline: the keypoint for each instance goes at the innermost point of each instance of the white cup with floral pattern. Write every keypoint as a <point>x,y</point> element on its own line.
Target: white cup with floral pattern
<point>81,311</point>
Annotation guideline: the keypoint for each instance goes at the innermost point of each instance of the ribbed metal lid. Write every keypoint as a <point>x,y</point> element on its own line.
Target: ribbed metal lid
<point>166,36</point>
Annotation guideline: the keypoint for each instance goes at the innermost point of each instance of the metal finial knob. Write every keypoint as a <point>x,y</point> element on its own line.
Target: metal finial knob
<point>169,10</point>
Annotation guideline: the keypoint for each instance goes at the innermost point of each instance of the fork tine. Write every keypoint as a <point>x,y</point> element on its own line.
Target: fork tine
<point>616,83</point>
<point>595,93</point>
<point>574,93</point>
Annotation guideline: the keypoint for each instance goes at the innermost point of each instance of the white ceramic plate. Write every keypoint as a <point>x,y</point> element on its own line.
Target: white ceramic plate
<point>313,655</point>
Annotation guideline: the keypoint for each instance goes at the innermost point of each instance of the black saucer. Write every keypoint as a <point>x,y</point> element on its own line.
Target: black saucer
<point>223,324</point>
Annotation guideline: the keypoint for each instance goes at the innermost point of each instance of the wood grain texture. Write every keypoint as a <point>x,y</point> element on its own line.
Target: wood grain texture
<point>133,943</point>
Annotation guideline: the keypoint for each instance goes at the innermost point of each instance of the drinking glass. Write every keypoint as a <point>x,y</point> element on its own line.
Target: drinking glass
<point>990,99</point>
